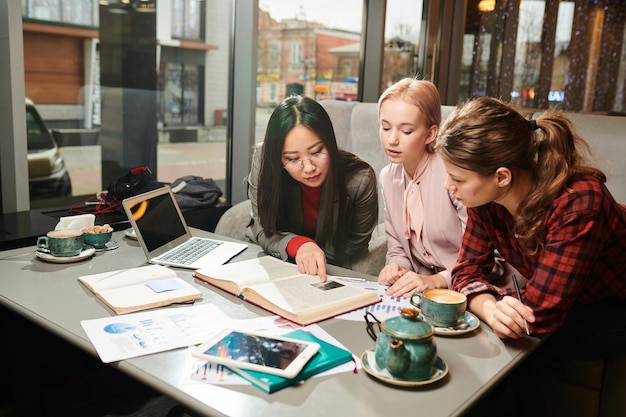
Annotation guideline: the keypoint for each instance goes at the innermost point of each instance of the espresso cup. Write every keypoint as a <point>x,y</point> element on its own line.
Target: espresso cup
<point>62,243</point>
<point>440,307</point>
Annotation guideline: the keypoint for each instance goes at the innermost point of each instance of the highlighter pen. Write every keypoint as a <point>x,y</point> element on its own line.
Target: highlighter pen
<point>519,297</point>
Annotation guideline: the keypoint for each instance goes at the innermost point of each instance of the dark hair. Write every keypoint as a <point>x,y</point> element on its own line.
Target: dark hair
<point>276,186</point>
<point>486,134</point>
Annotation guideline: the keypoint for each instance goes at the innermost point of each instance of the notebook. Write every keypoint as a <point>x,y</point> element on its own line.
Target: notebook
<point>326,358</point>
<point>161,230</point>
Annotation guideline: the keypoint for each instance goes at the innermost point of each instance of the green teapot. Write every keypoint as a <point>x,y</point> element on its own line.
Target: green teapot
<point>406,346</point>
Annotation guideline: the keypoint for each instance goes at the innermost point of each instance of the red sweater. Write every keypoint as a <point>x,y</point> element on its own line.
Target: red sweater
<point>311,197</point>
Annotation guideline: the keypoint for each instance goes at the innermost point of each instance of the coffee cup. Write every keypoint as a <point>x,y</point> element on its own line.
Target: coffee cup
<point>61,243</point>
<point>440,307</point>
<point>98,240</point>
<point>97,236</point>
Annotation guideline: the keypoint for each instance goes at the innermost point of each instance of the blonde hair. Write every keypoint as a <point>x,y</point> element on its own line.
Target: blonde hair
<point>422,94</point>
<point>486,134</point>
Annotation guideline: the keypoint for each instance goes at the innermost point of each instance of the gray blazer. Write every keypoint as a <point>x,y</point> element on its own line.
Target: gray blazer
<point>361,190</point>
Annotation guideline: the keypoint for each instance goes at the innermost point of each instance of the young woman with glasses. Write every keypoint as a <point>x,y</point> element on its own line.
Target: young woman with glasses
<point>311,202</point>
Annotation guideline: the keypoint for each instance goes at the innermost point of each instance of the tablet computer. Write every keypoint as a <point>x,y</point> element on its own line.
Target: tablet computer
<point>271,354</point>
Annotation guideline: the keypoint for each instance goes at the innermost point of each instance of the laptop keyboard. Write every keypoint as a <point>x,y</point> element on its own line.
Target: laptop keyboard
<point>190,251</point>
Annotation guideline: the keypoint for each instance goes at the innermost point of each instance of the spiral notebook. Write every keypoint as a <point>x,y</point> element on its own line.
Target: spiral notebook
<point>162,231</point>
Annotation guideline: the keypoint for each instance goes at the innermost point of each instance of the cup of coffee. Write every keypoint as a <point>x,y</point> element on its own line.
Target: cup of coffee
<point>440,307</point>
<point>62,243</point>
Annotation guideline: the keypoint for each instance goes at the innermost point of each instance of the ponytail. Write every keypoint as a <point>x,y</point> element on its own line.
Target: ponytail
<point>561,157</point>
<point>486,134</point>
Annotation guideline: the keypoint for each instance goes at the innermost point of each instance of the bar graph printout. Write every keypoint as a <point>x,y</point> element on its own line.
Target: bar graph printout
<point>137,334</point>
<point>387,308</point>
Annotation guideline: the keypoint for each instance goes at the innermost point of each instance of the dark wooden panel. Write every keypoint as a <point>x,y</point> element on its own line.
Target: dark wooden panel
<point>53,68</point>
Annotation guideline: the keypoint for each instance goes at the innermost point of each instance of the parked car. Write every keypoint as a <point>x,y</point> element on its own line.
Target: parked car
<point>47,175</point>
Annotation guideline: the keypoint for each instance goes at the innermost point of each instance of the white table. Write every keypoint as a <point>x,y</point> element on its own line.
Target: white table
<point>49,295</point>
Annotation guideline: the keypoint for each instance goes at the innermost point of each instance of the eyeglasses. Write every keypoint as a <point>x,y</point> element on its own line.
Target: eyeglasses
<point>297,165</point>
<point>369,325</point>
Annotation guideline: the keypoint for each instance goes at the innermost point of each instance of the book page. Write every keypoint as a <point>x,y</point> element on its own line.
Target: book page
<point>246,273</point>
<point>126,277</point>
<point>306,293</point>
<point>141,296</point>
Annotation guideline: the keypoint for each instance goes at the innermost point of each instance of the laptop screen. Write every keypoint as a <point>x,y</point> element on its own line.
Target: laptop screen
<point>158,221</point>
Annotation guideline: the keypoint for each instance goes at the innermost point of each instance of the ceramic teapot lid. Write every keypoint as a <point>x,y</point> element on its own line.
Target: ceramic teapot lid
<point>408,325</point>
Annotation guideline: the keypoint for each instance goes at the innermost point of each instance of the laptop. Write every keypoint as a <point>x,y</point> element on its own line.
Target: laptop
<point>163,233</point>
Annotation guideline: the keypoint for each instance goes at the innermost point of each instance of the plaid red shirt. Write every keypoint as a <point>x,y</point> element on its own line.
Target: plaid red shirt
<point>583,260</point>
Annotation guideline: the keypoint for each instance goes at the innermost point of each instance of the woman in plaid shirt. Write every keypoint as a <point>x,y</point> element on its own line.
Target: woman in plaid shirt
<point>532,195</point>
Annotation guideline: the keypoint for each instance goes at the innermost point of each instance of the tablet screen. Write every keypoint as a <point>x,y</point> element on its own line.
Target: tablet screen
<point>255,349</point>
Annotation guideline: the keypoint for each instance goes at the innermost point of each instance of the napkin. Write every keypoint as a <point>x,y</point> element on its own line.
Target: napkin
<point>75,222</point>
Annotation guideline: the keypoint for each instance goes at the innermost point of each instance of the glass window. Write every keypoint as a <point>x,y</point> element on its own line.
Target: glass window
<point>166,109</point>
<point>305,49</point>
<point>187,19</point>
<point>79,12</point>
<point>182,91</point>
<point>528,53</point>
<point>570,55</point>
<point>173,94</point>
<point>402,32</point>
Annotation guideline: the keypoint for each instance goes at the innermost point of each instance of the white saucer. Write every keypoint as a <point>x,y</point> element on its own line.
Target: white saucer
<point>468,319</point>
<point>84,254</point>
<point>110,245</point>
<point>130,233</point>
<point>368,359</point>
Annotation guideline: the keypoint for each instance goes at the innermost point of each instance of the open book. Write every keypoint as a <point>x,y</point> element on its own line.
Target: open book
<point>141,288</point>
<point>277,286</point>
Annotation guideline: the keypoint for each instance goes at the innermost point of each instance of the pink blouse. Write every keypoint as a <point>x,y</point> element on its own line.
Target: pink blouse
<point>423,221</point>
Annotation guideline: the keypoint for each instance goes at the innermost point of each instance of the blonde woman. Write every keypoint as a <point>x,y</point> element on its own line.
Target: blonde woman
<point>424,223</point>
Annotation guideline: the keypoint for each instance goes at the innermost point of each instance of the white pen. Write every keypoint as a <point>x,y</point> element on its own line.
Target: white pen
<point>351,279</point>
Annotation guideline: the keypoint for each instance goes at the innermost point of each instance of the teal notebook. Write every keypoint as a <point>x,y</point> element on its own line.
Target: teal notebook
<point>326,358</point>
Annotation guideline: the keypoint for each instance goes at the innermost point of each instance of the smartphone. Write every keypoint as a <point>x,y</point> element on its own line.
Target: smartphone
<point>275,355</point>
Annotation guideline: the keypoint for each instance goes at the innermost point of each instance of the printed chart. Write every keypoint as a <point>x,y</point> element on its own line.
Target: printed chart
<point>387,308</point>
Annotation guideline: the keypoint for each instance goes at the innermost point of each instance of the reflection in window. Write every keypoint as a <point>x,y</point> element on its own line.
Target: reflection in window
<point>187,19</point>
<point>274,57</point>
<point>561,52</point>
<point>79,12</point>
<point>528,53</point>
<point>296,54</point>
<point>402,31</point>
<point>569,56</point>
<point>346,68</point>
<point>180,104</point>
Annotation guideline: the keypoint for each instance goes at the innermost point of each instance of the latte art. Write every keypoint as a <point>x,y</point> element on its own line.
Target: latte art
<point>64,234</point>
<point>444,296</point>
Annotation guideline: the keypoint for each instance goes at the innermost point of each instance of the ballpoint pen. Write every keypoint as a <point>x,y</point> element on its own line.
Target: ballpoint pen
<point>351,279</point>
<point>519,297</point>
